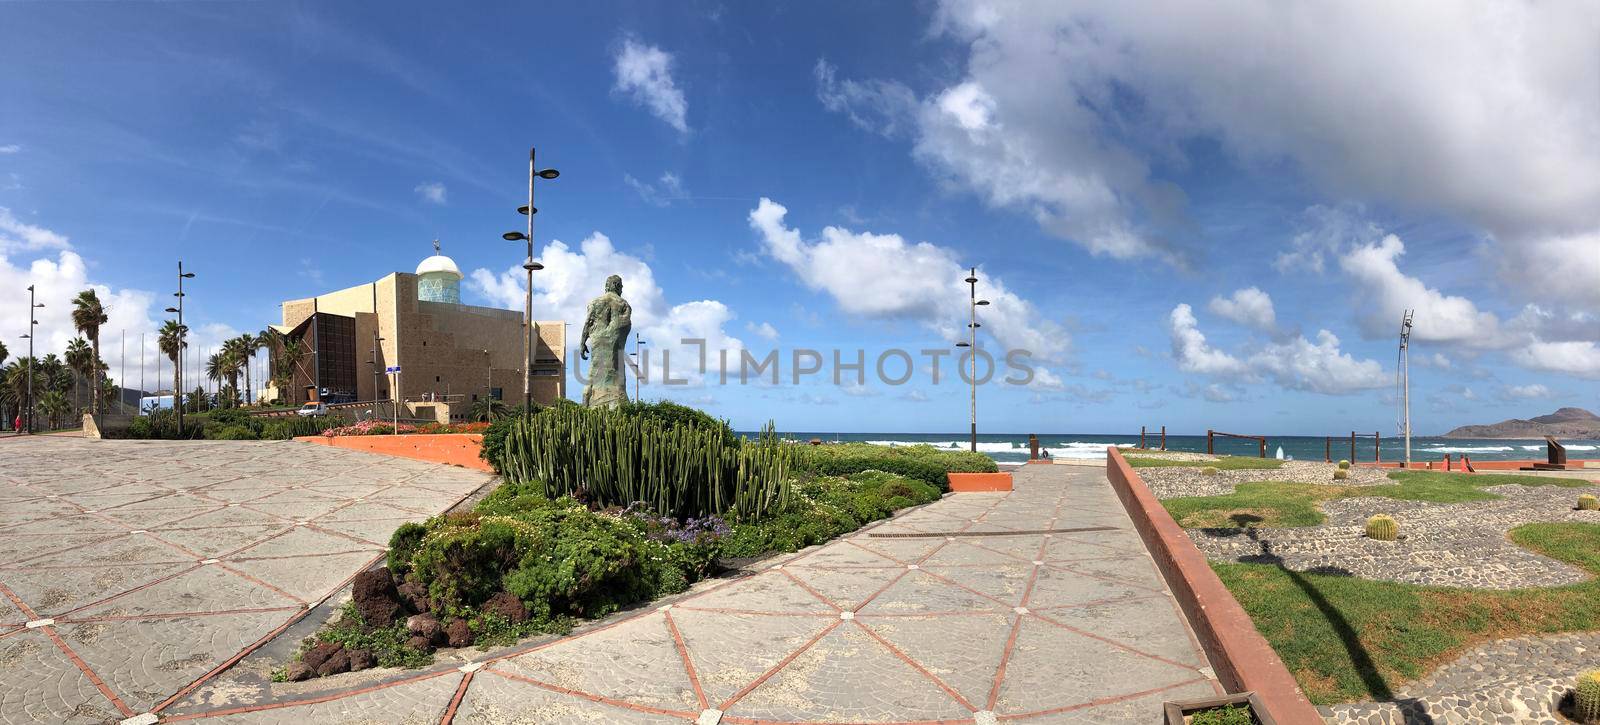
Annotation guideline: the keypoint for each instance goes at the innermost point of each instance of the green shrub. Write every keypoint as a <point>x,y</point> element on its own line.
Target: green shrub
<point>671,414</point>
<point>1586,697</point>
<point>1382,528</point>
<point>232,433</point>
<point>1225,715</point>
<point>609,458</point>
<point>1588,502</point>
<point>924,463</point>
<point>827,506</point>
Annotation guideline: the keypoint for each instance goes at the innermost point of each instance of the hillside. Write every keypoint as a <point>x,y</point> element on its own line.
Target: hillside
<point>1564,423</point>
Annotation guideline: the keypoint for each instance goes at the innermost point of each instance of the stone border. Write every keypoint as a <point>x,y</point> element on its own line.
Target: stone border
<point>456,449</point>
<point>1244,660</point>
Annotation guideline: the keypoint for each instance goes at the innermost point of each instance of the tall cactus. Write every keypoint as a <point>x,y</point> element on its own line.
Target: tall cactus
<point>616,459</point>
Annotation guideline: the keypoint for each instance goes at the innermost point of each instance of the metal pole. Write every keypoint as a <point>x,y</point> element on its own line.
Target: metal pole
<point>1405,377</point>
<point>140,411</point>
<point>177,399</point>
<point>122,375</point>
<point>1163,438</point>
<point>527,331</point>
<point>972,330</point>
<point>397,402</point>
<point>488,382</point>
<point>31,323</point>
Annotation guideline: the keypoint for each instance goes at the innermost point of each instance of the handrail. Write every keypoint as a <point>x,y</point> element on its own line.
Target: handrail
<point>1211,434</point>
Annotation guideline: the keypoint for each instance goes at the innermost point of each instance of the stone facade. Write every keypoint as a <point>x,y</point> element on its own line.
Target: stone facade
<point>452,352</point>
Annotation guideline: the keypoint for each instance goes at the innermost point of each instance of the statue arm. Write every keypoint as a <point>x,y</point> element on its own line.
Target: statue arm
<point>583,340</point>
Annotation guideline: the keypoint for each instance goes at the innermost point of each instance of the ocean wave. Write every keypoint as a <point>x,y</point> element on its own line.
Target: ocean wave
<point>1467,449</point>
<point>1541,447</point>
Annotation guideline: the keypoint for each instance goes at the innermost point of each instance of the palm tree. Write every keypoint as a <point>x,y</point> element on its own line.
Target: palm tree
<point>55,405</point>
<point>198,401</point>
<point>78,356</point>
<point>246,347</point>
<point>488,409</point>
<point>87,316</point>
<point>13,387</point>
<point>54,373</point>
<point>170,341</point>
<point>3,352</point>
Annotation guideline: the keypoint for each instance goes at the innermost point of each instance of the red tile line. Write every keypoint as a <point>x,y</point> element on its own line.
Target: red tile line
<point>759,681</point>
<point>1099,702</point>
<point>259,582</point>
<point>455,701</point>
<point>919,668</point>
<point>785,571</point>
<point>63,619</point>
<point>94,678</point>
<point>1112,642</point>
<point>139,588</point>
<point>18,603</point>
<point>688,663</point>
<point>634,706</point>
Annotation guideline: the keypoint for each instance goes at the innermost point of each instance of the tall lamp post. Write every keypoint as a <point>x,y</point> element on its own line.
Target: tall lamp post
<point>374,361</point>
<point>183,342</point>
<point>530,265</point>
<point>32,323</point>
<point>972,349</point>
<point>638,371</point>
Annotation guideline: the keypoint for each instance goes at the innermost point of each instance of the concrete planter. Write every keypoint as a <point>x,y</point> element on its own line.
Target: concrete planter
<point>979,482</point>
<point>456,449</point>
<point>1178,712</point>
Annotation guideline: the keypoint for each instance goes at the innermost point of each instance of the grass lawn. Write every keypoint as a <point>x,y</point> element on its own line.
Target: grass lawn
<point>1283,503</point>
<point>1347,638</point>
<point>1225,463</point>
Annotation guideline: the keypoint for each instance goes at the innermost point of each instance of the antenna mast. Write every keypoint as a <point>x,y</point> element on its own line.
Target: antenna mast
<point>1405,378</point>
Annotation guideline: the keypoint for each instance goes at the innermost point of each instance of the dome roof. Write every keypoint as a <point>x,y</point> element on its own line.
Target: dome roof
<point>439,263</point>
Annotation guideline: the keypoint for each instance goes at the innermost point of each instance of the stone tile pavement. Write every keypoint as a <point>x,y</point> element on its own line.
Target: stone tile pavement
<point>1038,606</point>
<point>132,571</point>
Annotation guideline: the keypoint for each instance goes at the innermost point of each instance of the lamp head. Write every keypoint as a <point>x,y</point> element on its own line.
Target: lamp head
<point>962,344</point>
<point>981,302</point>
<point>972,280</point>
<point>531,265</point>
<point>523,210</point>
<point>173,310</point>
<point>549,174</point>
<point>514,236</point>
<point>187,275</point>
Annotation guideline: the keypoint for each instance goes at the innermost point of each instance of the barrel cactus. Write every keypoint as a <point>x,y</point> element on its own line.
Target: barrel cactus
<point>1344,464</point>
<point>1341,475</point>
<point>1588,502</point>
<point>1382,528</point>
<point>1586,697</point>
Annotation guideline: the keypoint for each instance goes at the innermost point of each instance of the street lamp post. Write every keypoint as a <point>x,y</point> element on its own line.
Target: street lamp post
<point>488,381</point>
<point>32,323</point>
<point>529,265</point>
<point>183,341</point>
<point>972,349</point>
<point>638,370</point>
<point>375,341</point>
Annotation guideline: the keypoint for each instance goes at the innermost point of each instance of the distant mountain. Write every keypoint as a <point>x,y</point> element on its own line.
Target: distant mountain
<point>1564,423</point>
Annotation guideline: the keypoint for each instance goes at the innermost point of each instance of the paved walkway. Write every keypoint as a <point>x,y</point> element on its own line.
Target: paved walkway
<point>977,608</point>
<point>130,571</point>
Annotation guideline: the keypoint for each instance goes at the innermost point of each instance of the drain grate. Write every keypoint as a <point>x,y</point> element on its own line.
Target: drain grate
<point>992,533</point>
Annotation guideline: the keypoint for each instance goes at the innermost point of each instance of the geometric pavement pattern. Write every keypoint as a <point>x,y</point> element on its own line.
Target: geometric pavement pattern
<point>133,571</point>
<point>978,617</point>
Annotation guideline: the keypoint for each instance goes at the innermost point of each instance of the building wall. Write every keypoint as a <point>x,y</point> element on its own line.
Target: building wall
<point>440,347</point>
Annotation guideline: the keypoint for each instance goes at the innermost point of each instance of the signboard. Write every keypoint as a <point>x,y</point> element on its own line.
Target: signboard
<point>392,369</point>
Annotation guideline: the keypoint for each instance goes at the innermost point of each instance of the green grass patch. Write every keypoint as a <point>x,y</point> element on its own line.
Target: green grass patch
<point>1286,503</point>
<point>1225,715</point>
<point>827,506</point>
<point>1347,638</point>
<point>1225,463</point>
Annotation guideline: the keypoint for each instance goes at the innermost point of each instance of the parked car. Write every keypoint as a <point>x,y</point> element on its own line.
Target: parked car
<point>312,409</point>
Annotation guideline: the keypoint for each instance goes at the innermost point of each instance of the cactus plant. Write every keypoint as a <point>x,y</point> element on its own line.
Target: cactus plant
<point>1344,464</point>
<point>1209,471</point>
<point>1341,475</point>
<point>1588,502</point>
<point>1586,697</point>
<point>1382,528</point>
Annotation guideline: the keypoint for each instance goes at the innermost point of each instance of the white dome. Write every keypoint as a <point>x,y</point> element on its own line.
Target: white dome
<point>439,263</point>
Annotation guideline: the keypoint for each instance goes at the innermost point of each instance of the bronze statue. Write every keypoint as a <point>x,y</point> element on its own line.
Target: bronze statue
<point>607,326</point>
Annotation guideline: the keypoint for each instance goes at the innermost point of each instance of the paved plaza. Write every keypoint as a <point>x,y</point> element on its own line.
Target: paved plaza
<point>131,570</point>
<point>1039,605</point>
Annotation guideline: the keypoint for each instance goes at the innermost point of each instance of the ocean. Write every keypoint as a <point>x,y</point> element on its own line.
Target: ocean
<point>1013,448</point>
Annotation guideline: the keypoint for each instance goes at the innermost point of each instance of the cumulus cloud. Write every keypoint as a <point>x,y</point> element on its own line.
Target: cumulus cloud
<point>885,276</point>
<point>883,107</point>
<point>573,277</point>
<point>1485,111</point>
<point>663,192</point>
<point>17,235</point>
<point>764,330</point>
<point>432,192</point>
<point>644,74</point>
<point>1573,357</point>
<point>1524,392</point>
<point>1296,363</point>
<point>1388,292</point>
<point>1249,307</point>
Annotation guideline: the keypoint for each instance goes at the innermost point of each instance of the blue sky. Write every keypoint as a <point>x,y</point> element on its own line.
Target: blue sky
<point>1192,219</point>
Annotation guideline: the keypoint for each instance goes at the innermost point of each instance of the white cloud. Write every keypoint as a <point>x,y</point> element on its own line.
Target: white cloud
<point>1485,111</point>
<point>17,235</point>
<point>1295,364</point>
<point>883,107</point>
<point>1388,292</point>
<point>1249,307</point>
<point>1524,392</point>
<point>644,73</point>
<point>884,276</point>
<point>10,148</point>
<point>663,192</point>
<point>1580,358</point>
<point>764,330</point>
<point>573,277</point>
<point>432,192</point>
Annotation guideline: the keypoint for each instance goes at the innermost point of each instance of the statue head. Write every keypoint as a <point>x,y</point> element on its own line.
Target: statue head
<point>614,284</point>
